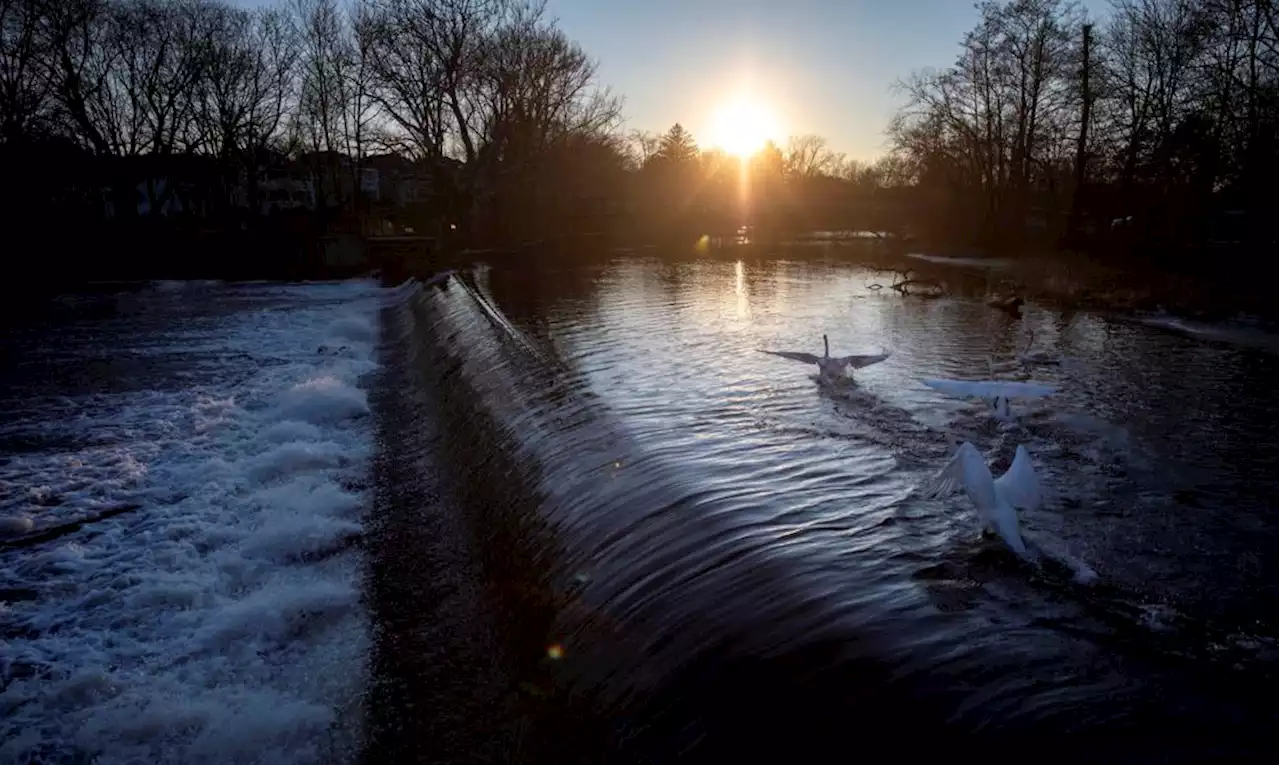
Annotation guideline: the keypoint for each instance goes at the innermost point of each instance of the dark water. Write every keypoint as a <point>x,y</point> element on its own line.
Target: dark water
<point>720,557</point>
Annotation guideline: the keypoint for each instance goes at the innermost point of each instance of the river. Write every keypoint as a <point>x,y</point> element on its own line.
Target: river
<point>600,524</point>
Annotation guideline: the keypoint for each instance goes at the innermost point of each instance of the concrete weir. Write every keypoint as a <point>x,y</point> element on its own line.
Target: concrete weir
<point>459,577</point>
<point>439,693</point>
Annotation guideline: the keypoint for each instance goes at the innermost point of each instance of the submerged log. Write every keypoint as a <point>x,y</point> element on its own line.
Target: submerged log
<point>61,530</point>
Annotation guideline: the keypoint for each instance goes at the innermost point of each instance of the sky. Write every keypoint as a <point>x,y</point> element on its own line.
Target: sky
<point>805,66</point>
<point>826,67</point>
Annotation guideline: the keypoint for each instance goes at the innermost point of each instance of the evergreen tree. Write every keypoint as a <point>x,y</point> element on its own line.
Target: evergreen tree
<point>677,146</point>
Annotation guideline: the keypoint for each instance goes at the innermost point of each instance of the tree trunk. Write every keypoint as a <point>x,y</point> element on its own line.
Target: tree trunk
<point>1082,138</point>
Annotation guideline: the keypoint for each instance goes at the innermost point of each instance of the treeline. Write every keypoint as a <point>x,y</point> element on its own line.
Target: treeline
<point>180,111</point>
<point>97,96</point>
<point>801,184</point>
<point>1154,128</point>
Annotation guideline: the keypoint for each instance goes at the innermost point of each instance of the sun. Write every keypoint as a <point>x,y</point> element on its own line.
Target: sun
<point>742,127</point>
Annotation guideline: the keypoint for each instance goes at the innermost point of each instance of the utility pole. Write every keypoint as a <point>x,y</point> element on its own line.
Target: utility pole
<point>1082,138</point>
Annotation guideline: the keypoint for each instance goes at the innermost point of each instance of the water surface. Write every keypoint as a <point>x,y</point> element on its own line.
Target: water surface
<point>581,518</point>
<point>750,556</point>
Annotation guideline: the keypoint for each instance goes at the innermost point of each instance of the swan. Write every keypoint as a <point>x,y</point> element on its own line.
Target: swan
<point>1029,356</point>
<point>997,500</point>
<point>829,366</point>
<point>996,392</point>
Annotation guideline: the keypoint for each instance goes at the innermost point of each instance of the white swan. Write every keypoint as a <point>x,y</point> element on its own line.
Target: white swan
<point>995,392</point>
<point>1029,356</point>
<point>829,367</point>
<point>997,500</point>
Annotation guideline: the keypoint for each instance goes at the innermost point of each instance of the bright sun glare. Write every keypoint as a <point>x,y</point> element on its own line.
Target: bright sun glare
<point>741,127</point>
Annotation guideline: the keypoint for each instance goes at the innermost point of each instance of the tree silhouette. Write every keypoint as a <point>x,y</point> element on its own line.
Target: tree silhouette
<point>808,156</point>
<point>677,146</point>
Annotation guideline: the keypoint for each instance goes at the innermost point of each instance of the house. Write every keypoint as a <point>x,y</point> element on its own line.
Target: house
<point>404,183</point>
<point>369,183</point>
<point>285,192</point>
<point>153,186</point>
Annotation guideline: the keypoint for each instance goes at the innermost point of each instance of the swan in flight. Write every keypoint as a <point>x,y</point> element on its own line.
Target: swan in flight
<point>828,366</point>
<point>1029,356</point>
<point>997,500</point>
<point>996,392</point>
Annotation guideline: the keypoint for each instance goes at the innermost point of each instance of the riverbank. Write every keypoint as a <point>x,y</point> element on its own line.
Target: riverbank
<point>1078,282</point>
<point>123,256</point>
<point>1074,281</point>
<point>297,251</point>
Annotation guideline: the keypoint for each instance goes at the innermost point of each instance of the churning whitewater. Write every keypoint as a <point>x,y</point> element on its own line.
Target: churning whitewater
<point>219,618</point>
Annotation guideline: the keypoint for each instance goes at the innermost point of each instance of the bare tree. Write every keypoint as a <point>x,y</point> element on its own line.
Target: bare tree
<point>320,119</point>
<point>161,53</point>
<point>995,127</point>
<point>425,60</point>
<point>23,81</point>
<point>356,88</point>
<point>1151,48</point>
<point>642,146</point>
<point>125,75</point>
<point>535,91</point>
<point>808,156</point>
<point>79,37</point>
<point>246,91</point>
<point>534,86</point>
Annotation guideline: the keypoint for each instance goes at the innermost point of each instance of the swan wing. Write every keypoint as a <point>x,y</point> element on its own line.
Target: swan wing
<point>989,388</point>
<point>865,360</point>
<point>1005,520</point>
<point>807,358</point>
<point>951,478</point>
<point>1020,485</point>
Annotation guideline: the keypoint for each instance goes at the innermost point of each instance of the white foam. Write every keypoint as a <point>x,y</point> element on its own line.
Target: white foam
<point>291,430</point>
<point>323,400</point>
<point>221,621</point>
<point>294,457</point>
<point>357,329</point>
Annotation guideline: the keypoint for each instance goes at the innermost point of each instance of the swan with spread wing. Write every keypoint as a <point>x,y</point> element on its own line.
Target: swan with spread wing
<point>830,367</point>
<point>997,500</point>
<point>996,392</point>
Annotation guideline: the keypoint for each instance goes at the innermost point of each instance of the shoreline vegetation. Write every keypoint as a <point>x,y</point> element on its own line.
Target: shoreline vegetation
<point>1120,159</point>
<point>1061,279</point>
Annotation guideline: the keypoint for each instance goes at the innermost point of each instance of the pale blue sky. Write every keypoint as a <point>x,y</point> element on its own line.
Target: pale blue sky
<point>820,66</point>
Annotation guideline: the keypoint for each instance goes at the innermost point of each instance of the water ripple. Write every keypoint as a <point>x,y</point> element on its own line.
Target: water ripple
<point>744,543</point>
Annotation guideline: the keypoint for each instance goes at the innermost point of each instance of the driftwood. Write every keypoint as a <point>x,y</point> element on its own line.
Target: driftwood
<point>897,275</point>
<point>902,281</point>
<point>903,285</point>
<point>55,532</point>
